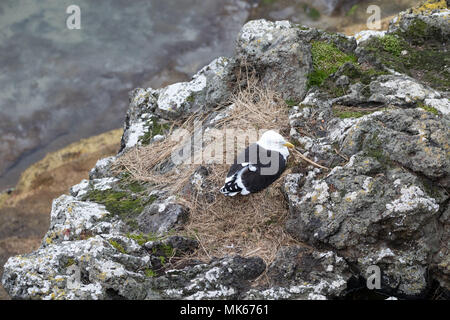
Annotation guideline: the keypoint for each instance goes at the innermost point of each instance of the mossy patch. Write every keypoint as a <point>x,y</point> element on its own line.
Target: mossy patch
<point>427,108</point>
<point>419,32</point>
<point>150,273</point>
<point>291,103</point>
<point>164,250</point>
<point>117,246</point>
<point>191,98</point>
<point>374,149</point>
<point>142,239</point>
<point>342,114</point>
<point>155,128</point>
<point>133,186</point>
<point>425,61</point>
<point>393,44</point>
<point>327,59</point>
<point>355,74</point>
<point>120,203</point>
<point>268,2</point>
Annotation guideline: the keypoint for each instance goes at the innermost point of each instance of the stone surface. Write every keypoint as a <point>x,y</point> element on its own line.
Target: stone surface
<point>162,216</point>
<point>274,48</point>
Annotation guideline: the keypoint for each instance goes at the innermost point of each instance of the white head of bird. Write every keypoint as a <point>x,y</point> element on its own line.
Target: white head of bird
<point>272,140</point>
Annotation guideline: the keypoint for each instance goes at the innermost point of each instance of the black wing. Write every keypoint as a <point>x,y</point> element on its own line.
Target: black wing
<point>257,178</point>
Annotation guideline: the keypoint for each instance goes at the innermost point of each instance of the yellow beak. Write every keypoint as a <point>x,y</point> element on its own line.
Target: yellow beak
<point>289,145</point>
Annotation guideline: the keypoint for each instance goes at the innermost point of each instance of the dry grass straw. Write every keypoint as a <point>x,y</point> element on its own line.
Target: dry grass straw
<point>145,163</point>
<point>250,225</point>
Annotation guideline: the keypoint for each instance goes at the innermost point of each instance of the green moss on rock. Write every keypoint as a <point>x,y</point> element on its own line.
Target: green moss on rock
<point>344,114</point>
<point>291,103</point>
<point>374,149</point>
<point>120,203</point>
<point>424,60</point>
<point>428,108</point>
<point>141,238</point>
<point>117,246</point>
<point>327,59</point>
<point>150,273</point>
<point>155,128</point>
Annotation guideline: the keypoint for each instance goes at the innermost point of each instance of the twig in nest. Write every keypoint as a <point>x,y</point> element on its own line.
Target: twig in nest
<point>309,160</point>
<point>341,155</point>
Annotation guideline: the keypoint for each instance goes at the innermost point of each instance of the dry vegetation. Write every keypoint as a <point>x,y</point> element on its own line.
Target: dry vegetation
<point>245,225</point>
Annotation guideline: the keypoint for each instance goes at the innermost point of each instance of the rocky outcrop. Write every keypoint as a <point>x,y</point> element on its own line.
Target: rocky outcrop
<point>358,106</point>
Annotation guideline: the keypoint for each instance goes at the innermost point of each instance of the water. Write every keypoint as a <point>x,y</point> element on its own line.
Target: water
<point>59,85</point>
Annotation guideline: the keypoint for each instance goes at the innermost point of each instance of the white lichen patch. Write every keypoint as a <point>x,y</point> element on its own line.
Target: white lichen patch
<point>136,130</point>
<point>319,194</point>
<point>172,98</point>
<point>441,105</point>
<point>339,129</point>
<point>367,34</point>
<point>69,218</point>
<point>351,196</point>
<point>384,253</point>
<point>412,198</point>
<point>205,285</point>
<point>402,89</point>
<point>80,190</point>
<point>257,30</point>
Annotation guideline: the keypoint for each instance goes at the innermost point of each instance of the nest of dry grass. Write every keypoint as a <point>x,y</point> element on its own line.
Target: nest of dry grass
<point>244,225</point>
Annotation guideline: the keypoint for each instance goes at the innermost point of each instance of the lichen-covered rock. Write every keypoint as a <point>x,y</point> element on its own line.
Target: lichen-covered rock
<point>416,139</point>
<point>303,273</point>
<point>429,20</point>
<point>102,168</point>
<point>162,216</point>
<point>275,48</point>
<point>225,278</point>
<point>441,259</point>
<point>373,203</point>
<point>148,107</point>
<point>82,269</point>
<point>363,214</point>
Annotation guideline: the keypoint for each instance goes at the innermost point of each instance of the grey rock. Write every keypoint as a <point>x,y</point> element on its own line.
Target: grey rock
<point>181,244</point>
<point>102,168</point>
<point>342,81</point>
<point>304,273</point>
<point>434,25</point>
<point>273,49</point>
<point>162,216</point>
<point>225,278</point>
<point>368,213</point>
<point>414,138</point>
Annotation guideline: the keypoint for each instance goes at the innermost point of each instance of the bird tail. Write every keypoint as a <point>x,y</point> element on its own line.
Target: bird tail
<point>227,192</point>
